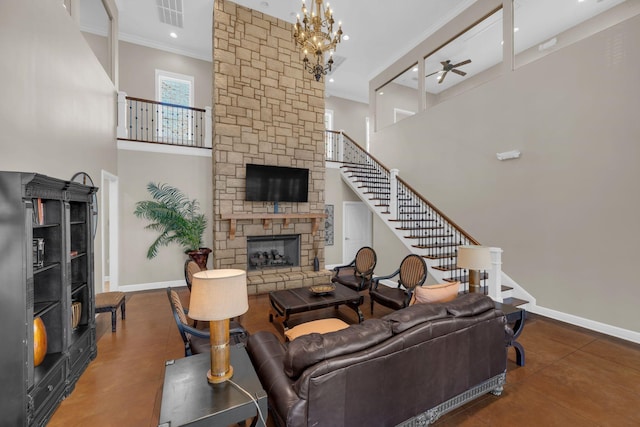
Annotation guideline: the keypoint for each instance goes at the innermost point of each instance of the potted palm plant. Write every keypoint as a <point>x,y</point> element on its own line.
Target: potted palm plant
<point>177,219</point>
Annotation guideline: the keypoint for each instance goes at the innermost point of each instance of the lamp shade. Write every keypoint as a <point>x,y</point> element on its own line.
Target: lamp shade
<point>474,257</point>
<point>218,294</point>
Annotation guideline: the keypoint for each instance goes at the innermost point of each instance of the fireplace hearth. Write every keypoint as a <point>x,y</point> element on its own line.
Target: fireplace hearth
<point>265,252</point>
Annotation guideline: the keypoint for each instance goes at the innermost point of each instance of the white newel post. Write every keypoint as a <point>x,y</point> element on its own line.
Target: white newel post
<point>341,147</point>
<point>122,130</point>
<point>393,195</point>
<point>208,127</point>
<point>495,275</point>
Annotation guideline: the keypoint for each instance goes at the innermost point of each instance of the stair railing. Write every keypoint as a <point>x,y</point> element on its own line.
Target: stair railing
<point>436,237</point>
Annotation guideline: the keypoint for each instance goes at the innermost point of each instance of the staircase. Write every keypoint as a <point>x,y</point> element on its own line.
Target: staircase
<point>422,228</point>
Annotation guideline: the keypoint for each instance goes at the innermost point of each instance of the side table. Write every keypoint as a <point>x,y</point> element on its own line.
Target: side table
<point>189,399</point>
<point>515,317</point>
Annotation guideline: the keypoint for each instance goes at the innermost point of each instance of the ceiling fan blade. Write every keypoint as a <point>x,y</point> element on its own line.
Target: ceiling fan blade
<point>462,73</point>
<point>443,76</point>
<point>431,74</point>
<point>459,64</point>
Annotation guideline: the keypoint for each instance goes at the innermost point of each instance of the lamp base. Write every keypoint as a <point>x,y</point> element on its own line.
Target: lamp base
<point>474,281</point>
<point>217,379</point>
<point>221,369</point>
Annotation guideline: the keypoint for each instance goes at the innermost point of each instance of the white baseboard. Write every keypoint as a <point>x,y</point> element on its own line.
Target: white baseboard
<point>593,325</point>
<point>152,286</point>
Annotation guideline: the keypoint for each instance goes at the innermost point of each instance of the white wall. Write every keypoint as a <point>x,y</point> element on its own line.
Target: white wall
<point>565,213</point>
<point>350,117</point>
<point>57,110</point>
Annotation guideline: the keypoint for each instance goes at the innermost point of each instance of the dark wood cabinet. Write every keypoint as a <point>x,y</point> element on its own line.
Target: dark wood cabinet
<point>46,268</point>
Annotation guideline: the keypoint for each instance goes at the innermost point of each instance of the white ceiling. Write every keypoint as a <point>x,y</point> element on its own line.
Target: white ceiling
<point>378,36</point>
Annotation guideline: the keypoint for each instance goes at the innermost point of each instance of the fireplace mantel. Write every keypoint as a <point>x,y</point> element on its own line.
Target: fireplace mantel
<point>267,218</point>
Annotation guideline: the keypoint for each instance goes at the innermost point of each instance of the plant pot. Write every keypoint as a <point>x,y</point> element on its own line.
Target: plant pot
<point>200,256</point>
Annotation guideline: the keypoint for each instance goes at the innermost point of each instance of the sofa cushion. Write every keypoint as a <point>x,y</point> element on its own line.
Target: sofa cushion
<point>308,350</point>
<point>320,326</point>
<point>469,305</point>
<point>409,317</point>
<point>442,292</point>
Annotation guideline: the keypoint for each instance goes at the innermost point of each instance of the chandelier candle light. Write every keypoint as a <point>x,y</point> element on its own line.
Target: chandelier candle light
<point>217,296</point>
<point>315,36</point>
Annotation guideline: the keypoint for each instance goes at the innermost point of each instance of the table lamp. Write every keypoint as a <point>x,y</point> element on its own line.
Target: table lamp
<point>474,258</point>
<point>217,296</point>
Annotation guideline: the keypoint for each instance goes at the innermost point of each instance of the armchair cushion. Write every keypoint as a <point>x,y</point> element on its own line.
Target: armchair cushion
<point>442,292</point>
<point>310,349</point>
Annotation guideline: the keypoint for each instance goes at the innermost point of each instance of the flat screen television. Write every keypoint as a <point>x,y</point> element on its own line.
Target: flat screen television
<point>276,183</point>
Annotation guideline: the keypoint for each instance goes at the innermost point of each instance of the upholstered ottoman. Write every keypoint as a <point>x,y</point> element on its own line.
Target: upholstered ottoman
<point>321,326</point>
<point>110,301</point>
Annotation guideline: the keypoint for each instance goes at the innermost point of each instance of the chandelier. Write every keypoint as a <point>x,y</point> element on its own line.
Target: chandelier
<point>315,36</point>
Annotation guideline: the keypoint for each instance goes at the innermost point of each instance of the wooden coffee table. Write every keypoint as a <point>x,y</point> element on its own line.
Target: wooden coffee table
<point>286,302</point>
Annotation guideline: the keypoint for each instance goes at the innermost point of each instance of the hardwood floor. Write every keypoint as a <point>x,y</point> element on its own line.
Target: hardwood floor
<point>572,377</point>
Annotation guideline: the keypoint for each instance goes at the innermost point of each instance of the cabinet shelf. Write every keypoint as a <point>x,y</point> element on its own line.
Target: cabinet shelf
<point>45,267</point>
<point>41,308</point>
<point>77,287</point>
<point>36,226</point>
<point>79,255</point>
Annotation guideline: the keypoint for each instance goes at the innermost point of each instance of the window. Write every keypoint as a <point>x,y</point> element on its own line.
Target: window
<point>175,122</point>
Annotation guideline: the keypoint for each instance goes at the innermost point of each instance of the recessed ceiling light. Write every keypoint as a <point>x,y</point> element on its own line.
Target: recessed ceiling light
<point>380,93</point>
<point>331,80</point>
<point>415,69</point>
<point>173,35</point>
<point>516,29</point>
<point>346,37</point>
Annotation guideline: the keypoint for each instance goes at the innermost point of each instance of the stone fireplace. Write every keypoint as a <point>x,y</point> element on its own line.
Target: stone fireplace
<point>268,252</point>
<point>268,111</point>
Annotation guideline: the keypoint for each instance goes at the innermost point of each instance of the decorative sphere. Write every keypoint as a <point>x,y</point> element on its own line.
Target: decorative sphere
<point>39,341</point>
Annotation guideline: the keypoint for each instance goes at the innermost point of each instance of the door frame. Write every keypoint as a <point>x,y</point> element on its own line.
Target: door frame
<point>109,207</point>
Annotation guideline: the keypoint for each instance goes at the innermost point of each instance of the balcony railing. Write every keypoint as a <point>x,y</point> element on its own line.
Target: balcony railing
<point>143,120</point>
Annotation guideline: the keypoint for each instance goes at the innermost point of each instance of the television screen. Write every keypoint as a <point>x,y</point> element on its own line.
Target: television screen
<point>276,183</point>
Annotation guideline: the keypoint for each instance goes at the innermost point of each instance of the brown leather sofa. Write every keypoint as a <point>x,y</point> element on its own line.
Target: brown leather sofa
<point>408,367</point>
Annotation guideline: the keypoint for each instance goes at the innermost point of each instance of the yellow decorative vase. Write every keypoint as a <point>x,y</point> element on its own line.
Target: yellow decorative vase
<point>39,341</point>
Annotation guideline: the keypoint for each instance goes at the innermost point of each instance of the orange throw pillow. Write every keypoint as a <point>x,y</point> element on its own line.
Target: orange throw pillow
<point>442,292</point>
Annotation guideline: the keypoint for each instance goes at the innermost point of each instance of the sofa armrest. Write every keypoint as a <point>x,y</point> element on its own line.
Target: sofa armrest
<point>267,353</point>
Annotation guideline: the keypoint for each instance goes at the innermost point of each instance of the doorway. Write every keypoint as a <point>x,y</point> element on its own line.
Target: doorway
<point>357,229</point>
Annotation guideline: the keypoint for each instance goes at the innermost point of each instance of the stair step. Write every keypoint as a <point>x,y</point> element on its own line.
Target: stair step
<point>446,267</point>
<point>514,301</point>
<point>464,278</point>
<point>440,256</point>
<point>505,288</point>
<point>436,245</point>
<point>415,220</point>
<point>435,236</point>
<point>437,227</point>
<point>356,166</point>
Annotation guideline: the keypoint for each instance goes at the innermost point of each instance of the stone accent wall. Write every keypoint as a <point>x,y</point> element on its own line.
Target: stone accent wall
<point>268,110</point>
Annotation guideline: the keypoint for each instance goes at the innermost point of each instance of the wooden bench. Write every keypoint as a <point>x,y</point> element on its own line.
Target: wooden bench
<point>110,301</point>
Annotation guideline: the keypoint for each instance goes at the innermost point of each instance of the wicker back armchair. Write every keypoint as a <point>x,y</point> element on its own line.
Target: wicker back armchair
<point>358,273</point>
<point>412,273</point>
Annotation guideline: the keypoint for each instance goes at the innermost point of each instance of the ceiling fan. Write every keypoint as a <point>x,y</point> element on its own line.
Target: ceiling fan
<point>448,66</point>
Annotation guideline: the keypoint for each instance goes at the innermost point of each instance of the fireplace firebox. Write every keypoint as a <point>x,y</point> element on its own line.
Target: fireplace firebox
<point>273,251</point>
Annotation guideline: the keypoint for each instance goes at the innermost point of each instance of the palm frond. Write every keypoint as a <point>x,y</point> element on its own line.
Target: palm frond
<point>174,216</point>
